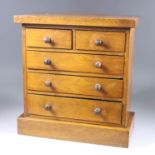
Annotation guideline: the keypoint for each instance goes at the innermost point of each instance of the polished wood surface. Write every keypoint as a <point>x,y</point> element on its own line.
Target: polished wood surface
<point>128,68</point>
<point>89,133</point>
<point>60,38</point>
<point>75,108</point>
<point>75,85</point>
<point>75,70</point>
<point>24,64</point>
<point>77,20</point>
<point>86,63</point>
<point>112,41</point>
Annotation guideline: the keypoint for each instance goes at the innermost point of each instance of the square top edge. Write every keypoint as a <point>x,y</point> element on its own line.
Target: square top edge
<point>97,20</point>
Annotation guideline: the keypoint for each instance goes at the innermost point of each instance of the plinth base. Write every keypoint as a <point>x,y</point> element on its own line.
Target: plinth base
<point>98,134</point>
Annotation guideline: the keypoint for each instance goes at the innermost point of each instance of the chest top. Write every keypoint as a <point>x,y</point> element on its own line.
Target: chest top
<point>78,20</point>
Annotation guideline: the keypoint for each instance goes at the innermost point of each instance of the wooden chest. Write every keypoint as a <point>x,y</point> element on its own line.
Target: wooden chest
<point>77,77</point>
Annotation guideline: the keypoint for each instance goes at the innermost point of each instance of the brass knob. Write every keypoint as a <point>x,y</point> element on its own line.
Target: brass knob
<point>48,83</point>
<point>99,42</point>
<point>97,111</point>
<point>98,64</point>
<point>48,107</point>
<point>47,40</point>
<point>98,87</point>
<point>47,62</point>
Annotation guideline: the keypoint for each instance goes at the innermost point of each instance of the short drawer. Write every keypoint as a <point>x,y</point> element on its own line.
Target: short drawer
<point>72,108</point>
<point>100,41</point>
<point>110,65</point>
<point>106,88</point>
<point>49,38</point>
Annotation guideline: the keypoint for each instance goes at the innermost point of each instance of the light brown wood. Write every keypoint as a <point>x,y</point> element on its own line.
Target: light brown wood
<point>24,63</point>
<point>75,85</point>
<point>115,136</point>
<point>75,108</point>
<point>60,38</point>
<point>74,120</point>
<point>128,74</point>
<point>75,96</point>
<point>112,41</point>
<point>77,20</point>
<point>73,77</point>
<point>108,53</point>
<point>111,65</point>
<point>76,74</point>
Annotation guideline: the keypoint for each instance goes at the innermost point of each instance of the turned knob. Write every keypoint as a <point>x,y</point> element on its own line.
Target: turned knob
<point>47,62</point>
<point>97,111</point>
<point>98,64</point>
<point>99,42</point>
<point>47,40</point>
<point>48,83</point>
<point>98,87</point>
<point>48,107</point>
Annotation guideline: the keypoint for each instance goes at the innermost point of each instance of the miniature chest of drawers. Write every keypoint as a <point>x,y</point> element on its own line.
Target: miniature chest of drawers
<point>77,77</point>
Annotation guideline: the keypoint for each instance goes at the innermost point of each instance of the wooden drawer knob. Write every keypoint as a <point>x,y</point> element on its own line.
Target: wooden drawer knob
<point>47,40</point>
<point>99,42</point>
<point>97,111</point>
<point>47,62</point>
<point>98,87</point>
<point>48,107</point>
<point>48,83</point>
<point>98,64</point>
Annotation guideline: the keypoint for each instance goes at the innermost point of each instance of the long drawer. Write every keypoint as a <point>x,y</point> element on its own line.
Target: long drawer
<point>101,87</point>
<point>109,65</point>
<point>87,110</point>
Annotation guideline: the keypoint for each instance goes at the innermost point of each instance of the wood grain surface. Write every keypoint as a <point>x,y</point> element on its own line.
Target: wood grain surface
<point>112,41</point>
<point>75,108</point>
<point>111,88</point>
<point>61,39</point>
<point>110,65</point>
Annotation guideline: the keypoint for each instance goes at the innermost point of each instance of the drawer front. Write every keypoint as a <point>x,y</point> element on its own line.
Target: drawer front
<point>100,41</point>
<point>110,65</point>
<point>88,110</point>
<point>49,38</point>
<point>106,88</point>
